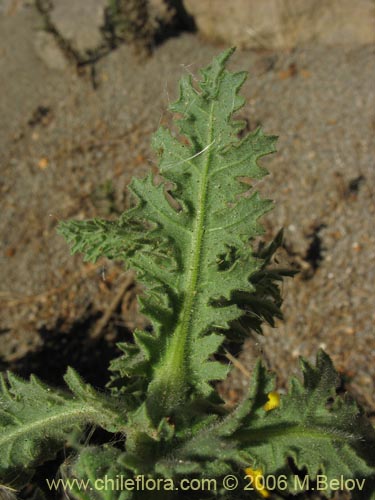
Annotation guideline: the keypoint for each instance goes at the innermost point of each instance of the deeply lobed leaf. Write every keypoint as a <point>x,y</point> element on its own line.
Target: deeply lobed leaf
<point>36,420</point>
<point>313,431</point>
<point>321,432</point>
<point>194,255</point>
<point>205,288</point>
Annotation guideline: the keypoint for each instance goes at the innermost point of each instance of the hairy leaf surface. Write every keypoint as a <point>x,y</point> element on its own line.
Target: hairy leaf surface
<point>314,429</point>
<point>190,239</point>
<point>193,254</point>
<point>99,474</point>
<point>321,432</point>
<point>35,420</point>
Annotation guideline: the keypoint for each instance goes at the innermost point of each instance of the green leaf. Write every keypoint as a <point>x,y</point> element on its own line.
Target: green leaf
<point>36,421</point>
<point>107,412</point>
<point>321,432</point>
<point>214,448</point>
<point>99,474</point>
<point>313,432</point>
<point>191,243</point>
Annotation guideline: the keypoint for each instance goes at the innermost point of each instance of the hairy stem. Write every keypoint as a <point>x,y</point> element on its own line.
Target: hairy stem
<point>171,381</point>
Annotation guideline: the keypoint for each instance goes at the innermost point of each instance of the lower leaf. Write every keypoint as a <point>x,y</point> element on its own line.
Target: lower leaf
<point>36,421</point>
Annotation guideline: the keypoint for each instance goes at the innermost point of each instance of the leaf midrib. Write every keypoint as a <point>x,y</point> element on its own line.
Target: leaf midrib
<point>77,413</point>
<point>50,422</point>
<point>175,355</point>
<point>327,432</point>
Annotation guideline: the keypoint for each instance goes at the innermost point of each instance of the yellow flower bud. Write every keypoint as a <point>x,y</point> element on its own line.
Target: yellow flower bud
<point>273,401</point>
<point>254,475</point>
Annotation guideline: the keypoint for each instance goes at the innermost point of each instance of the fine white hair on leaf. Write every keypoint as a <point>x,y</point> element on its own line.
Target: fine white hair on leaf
<point>7,492</point>
<point>171,165</point>
<point>186,67</point>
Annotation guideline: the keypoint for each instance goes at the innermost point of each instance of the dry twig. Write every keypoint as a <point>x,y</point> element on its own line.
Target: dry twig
<point>101,324</point>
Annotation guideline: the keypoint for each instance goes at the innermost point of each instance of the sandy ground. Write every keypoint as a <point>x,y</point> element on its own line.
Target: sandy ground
<point>69,150</point>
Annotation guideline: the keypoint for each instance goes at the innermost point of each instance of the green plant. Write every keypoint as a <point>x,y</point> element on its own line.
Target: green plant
<point>205,289</point>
